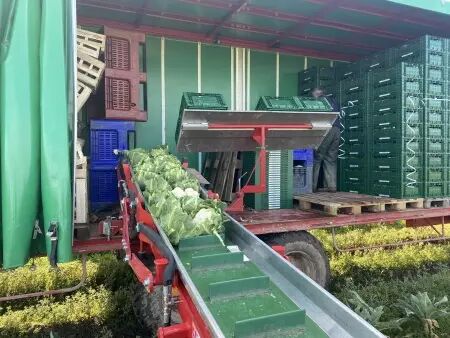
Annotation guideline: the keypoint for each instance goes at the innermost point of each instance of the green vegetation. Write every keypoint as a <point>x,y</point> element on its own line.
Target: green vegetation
<point>102,308</point>
<point>401,291</point>
<point>172,195</point>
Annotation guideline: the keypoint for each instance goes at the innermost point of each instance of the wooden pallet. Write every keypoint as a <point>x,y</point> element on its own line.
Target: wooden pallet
<point>89,70</point>
<point>83,93</point>
<point>90,43</point>
<point>350,203</point>
<point>436,203</point>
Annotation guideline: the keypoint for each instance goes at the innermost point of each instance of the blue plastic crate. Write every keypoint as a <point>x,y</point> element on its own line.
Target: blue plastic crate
<point>107,135</point>
<point>302,180</point>
<point>103,190</point>
<point>306,155</point>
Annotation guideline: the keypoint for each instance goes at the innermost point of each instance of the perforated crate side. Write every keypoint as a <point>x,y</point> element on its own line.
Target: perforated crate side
<point>103,187</point>
<point>278,103</point>
<point>214,101</point>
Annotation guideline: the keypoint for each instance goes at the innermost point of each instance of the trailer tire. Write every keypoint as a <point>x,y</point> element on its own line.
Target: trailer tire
<point>305,252</point>
<point>148,308</point>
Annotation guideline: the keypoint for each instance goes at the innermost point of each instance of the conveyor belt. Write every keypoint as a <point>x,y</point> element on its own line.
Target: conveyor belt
<point>279,300</point>
<point>240,296</point>
<point>245,289</point>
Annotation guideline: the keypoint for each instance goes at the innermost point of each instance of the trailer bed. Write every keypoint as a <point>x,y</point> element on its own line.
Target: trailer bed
<point>285,220</point>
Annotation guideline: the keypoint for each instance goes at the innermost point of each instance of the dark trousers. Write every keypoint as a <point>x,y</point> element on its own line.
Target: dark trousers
<point>326,155</point>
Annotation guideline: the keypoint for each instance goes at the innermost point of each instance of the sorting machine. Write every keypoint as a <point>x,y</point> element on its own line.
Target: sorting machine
<point>235,286</point>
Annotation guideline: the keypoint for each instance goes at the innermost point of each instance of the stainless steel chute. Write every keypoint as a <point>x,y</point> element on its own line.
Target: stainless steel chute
<point>231,130</point>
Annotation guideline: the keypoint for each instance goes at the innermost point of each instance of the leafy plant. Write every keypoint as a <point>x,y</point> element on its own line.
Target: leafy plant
<point>172,195</point>
<point>393,263</point>
<point>388,264</point>
<point>82,306</point>
<point>373,315</point>
<point>373,234</point>
<point>423,312</point>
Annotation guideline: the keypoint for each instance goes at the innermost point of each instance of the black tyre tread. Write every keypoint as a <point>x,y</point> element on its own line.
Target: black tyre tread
<point>148,308</point>
<point>290,240</point>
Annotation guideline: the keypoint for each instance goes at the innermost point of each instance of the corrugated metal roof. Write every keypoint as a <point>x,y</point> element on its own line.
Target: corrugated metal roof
<point>333,29</point>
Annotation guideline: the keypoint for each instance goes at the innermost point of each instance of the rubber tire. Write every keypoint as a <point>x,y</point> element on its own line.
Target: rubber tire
<point>305,252</point>
<point>148,308</point>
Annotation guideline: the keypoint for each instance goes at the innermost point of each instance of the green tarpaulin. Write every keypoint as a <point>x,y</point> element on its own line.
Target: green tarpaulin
<point>34,136</point>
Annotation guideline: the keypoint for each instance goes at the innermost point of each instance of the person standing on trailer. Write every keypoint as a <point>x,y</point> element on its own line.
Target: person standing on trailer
<point>326,155</point>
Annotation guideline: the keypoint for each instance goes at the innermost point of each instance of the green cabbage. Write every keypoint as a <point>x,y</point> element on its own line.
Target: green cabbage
<point>172,195</point>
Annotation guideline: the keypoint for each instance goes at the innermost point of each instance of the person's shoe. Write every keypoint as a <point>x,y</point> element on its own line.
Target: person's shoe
<point>332,190</point>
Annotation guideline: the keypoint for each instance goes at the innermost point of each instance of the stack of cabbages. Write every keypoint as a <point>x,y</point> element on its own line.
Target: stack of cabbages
<point>172,195</point>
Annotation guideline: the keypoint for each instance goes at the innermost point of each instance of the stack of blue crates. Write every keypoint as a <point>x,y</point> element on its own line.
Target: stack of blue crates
<point>105,137</point>
<point>303,171</point>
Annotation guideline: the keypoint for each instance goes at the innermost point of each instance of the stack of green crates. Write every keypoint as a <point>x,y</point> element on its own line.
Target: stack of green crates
<point>396,126</point>
<point>353,166</point>
<point>405,151</point>
<point>433,53</point>
<point>204,101</point>
<point>279,168</point>
<point>324,77</point>
<point>279,178</point>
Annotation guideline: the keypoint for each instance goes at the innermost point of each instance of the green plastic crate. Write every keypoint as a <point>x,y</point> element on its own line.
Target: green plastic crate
<point>353,139</point>
<point>354,164</point>
<point>411,190</point>
<point>396,124</point>
<point>313,104</point>
<point>374,62</point>
<point>397,103</point>
<point>408,161</point>
<point>204,101</point>
<point>439,104</point>
<point>347,70</point>
<point>436,116</point>
<point>435,174</point>
<point>307,76</point>
<point>436,88</point>
<point>279,103</point>
<point>436,160</point>
<point>283,173</point>
<point>398,183</point>
<point>354,176</point>
<point>436,130</point>
<point>354,85</point>
<point>396,147</point>
<point>211,101</point>
<point>427,49</point>
<point>435,189</point>
<point>398,73</point>
<point>402,177</point>
<point>354,112</point>
<point>436,73</point>
<point>354,187</point>
<point>355,150</point>
<point>313,77</point>
<point>410,87</point>
<point>435,145</point>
